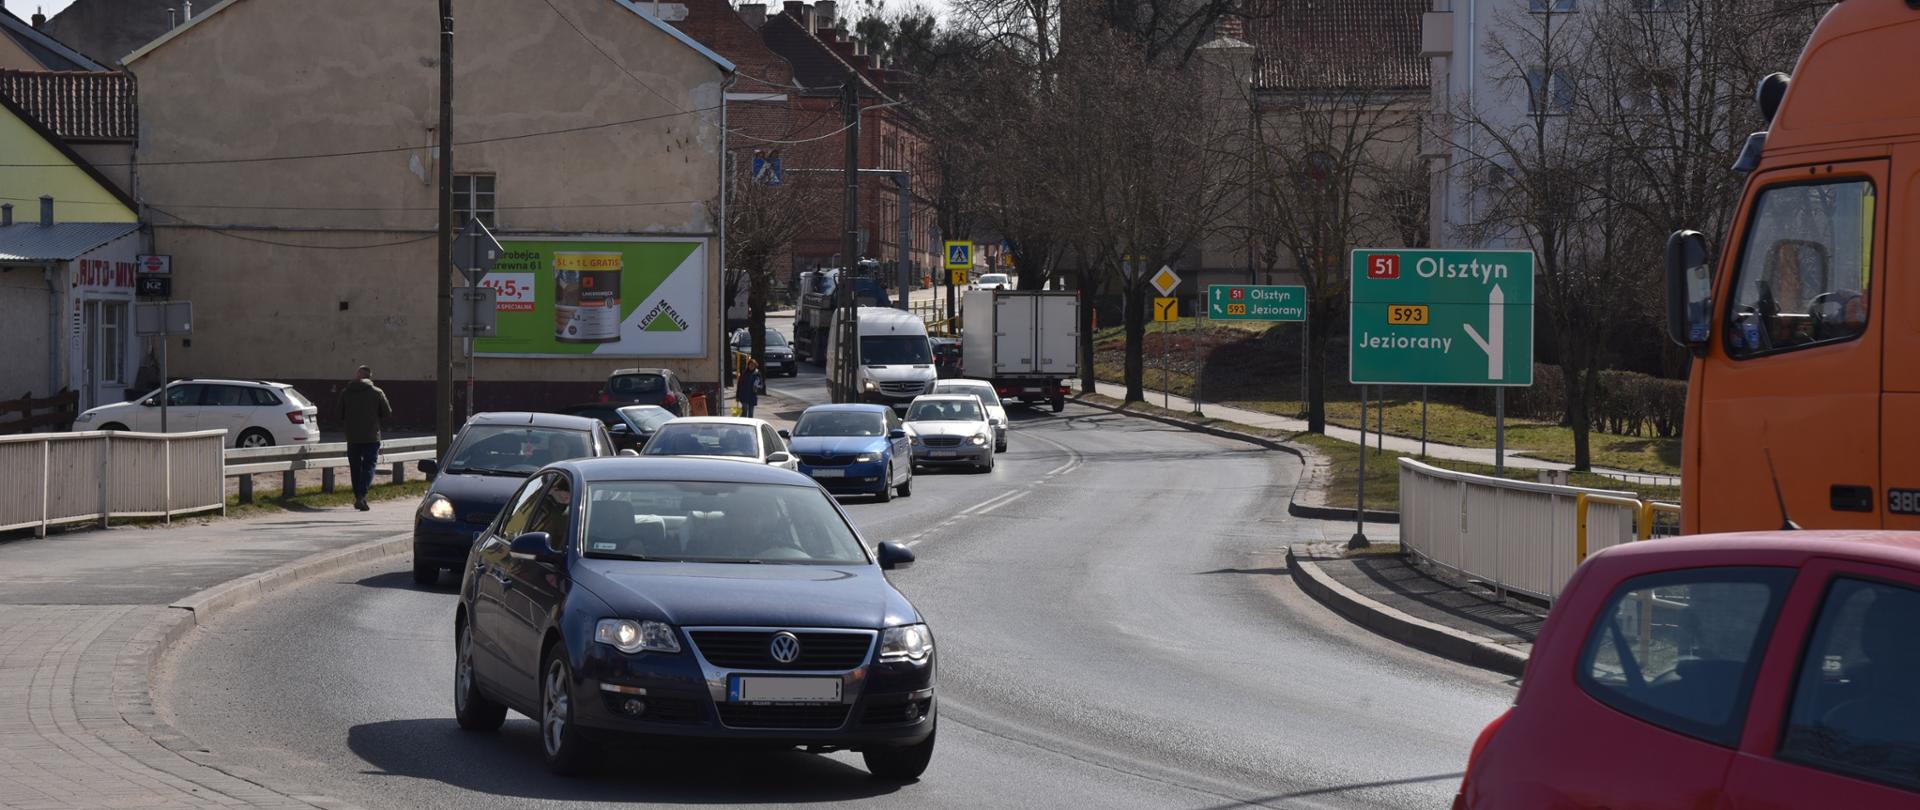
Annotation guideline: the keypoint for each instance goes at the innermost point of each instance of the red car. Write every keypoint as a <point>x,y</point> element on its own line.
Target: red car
<point>1759,671</point>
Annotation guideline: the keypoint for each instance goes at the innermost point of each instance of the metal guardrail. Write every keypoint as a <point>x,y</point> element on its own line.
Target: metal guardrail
<point>59,478</point>
<point>1516,536</point>
<point>245,463</point>
<point>1647,513</point>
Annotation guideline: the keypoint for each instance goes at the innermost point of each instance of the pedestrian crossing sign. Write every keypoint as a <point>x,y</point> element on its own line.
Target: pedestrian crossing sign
<point>959,255</point>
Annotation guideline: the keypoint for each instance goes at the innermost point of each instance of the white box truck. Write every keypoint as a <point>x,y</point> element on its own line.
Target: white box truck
<point>1025,342</point>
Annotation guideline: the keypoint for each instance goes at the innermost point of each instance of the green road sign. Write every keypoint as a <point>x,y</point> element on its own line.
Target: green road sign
<point>1248,302</point>
<point>1441,317</point>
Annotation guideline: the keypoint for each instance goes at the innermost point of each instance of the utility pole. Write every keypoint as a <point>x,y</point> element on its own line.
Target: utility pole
<point>847,382</point>
<point>443,280</point>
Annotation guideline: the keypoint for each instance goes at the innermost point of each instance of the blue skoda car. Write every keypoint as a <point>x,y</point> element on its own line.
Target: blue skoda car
<point>854,450</point>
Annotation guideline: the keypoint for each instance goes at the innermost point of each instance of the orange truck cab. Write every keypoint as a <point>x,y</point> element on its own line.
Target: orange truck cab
<point>1806,329</point>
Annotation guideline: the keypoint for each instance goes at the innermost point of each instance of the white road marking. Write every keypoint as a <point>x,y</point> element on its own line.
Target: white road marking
<point>1016,497</point>
<point>983,504</point>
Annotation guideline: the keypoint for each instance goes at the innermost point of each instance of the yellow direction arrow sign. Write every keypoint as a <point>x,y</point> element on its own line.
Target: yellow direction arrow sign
<point>1166,309</point>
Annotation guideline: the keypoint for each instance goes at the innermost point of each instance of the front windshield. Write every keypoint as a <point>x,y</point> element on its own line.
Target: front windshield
<point>679,521</point>
<point>993,278</point>
<point>840,423</point>
<point>516,449</point>
<point>944,410</point>
<point>984,392</point>
<point>684,439</point>
<point>895,350</point>
<point>647,417</point>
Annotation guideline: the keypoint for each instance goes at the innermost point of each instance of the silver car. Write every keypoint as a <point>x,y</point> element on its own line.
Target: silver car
<point>990,398</point>
<point>950,429</point>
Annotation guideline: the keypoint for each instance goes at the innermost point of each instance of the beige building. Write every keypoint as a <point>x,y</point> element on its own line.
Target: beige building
<point>287,166</point>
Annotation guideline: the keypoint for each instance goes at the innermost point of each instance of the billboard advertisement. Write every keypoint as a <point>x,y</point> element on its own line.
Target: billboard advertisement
<point>605,297</point>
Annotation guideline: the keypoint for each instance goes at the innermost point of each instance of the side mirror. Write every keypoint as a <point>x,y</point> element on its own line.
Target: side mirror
<point>630,453</point>
<point>896,433</point>
<point>619,430</point>
<point>150,402</point>
<point>534,546</point>
<point>779,457</point>
<point>1689,290</point>
<point>894,555</point>
<point>427,467</point>
<point>785,434</point>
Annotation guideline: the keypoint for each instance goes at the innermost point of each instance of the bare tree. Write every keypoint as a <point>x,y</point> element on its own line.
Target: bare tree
<point>762,222</point>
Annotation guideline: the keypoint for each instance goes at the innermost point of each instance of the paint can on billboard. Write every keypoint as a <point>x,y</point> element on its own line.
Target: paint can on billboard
<point>586,300</point>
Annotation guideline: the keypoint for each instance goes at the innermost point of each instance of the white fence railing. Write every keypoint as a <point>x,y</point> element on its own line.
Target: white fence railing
<point>56,478</point>
<point>1515,536</point>
<point>328,458</point>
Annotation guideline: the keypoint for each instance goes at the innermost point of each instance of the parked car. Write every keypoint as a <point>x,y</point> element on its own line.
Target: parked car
<point>723,437</point>
<point>1767,670</point>
<point>989,398</point>
<point>950,429</point>
<point>647,386</point>
<point>779,358</point>
<point>610,600</point>
<point>946,357</point>
<point>490,456</point>
<point>854,448</point>
<point>629,425</point>
<point>993,281</point>
<point>254,413</point>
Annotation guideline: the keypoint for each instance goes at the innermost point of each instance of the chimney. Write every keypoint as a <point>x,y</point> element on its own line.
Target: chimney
<point>6,211</point>
<point>46,210</point>
<point>797,10</point>
<point>186,11</point>
<point>824,11</point>
<point>173,18</point>
<point>39,20</point>
<point>754,14</point>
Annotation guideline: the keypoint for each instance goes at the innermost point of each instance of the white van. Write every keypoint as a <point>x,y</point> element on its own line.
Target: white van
<point>896,360</point>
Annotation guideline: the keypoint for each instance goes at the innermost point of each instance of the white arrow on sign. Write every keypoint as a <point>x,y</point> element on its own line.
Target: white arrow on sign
<point>1494,344</point>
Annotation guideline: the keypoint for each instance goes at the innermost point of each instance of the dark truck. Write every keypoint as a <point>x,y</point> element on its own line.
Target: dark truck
<point>814,316</point>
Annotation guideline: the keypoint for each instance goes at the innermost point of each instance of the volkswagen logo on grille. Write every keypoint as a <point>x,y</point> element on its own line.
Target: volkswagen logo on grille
<point>785,648</point>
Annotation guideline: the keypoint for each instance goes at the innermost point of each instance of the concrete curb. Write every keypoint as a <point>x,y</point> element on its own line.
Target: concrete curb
<point>133,675</point>
<point>1294,507</point>
<point>1420,634</point>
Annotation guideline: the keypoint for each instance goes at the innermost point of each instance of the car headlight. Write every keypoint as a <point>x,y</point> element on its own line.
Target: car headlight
<point>629,636</point>
<point>908,642</point>
<point>85,417</point>
<point>871,386</point>
<point>438,508</point>
<point>865,457</point>
<point>978,438</point>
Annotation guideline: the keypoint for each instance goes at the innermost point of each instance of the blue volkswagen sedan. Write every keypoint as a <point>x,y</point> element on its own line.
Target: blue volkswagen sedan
<point>694,600</point>
<point>854,449</point>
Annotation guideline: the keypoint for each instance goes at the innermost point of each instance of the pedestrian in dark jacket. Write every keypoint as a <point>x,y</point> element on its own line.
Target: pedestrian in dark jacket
<point>363,408</point>
<point>747,388</point>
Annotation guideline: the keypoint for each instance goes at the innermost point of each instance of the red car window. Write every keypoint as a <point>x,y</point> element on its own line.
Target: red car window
<point>1680,649</point>
<point>1856,702</point>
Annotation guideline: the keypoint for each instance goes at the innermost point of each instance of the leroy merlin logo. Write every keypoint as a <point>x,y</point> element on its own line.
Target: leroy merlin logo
<point>663,318</point>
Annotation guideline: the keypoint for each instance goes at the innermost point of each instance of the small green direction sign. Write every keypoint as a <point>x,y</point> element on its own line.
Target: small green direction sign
<point>1441,317</point>
<point>1249,302</point>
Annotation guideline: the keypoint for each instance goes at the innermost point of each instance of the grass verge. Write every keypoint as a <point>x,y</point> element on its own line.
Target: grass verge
<point>311,498</point>
<point>1383,472</point>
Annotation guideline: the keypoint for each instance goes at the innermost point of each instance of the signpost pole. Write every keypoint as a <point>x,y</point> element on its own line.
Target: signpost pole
<point>1423,421</point>
<point>1166,358</point>
<point>1198,369</point>
<point>469,378</point>
<point>1380,423</point>
<point>163,370</point>
<point>1359,539</point>
<point>1499,431</point>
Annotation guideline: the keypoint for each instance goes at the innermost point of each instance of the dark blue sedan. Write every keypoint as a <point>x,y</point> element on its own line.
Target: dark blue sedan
<point>690,599</point>
<point>491,456</point>
<point>854,449</point>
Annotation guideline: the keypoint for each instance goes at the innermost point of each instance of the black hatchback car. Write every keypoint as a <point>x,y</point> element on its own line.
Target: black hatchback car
<point>689,599</point>
<point>490,457</point>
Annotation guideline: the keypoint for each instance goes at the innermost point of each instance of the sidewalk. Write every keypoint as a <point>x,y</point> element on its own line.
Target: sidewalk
<point>1432,612</point>
<point>1397,444</point>
<point>83,617</point>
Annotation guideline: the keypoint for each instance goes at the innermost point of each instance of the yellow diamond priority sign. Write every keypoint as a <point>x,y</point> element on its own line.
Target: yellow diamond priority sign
<point>1165,280</point>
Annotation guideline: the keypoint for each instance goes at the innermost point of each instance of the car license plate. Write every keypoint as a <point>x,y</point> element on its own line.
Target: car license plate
<point>829,473</point>
<point>749,689</point>
<point>943,454</point>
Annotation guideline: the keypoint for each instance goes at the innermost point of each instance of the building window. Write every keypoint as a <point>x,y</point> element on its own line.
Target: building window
<point>1558,6</point>
<point>1549,92</point>
<point>473,197</point>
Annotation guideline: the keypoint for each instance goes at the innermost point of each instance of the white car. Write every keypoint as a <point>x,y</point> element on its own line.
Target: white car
<point>994,281</point>
<point>950,429</point>
<point>731,438</point>
<point>989,398</point>
<point>253,413</point>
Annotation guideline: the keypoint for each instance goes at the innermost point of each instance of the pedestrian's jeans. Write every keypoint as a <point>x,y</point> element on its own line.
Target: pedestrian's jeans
<point>746,409</point>
<point>361,458</point>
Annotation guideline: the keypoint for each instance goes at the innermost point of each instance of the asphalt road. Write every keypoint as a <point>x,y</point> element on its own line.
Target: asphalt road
<point>1115,626</point>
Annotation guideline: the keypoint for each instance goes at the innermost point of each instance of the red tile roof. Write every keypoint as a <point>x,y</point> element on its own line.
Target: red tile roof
<point>1314,44</point>
<point>78,106</point>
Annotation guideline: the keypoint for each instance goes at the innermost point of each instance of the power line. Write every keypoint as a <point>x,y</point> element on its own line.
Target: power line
<point>228,232</point>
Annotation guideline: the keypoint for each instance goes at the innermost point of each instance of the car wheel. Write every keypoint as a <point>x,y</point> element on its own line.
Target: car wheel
<point>471,708</point>
<point>1059,404</point>
<point>566,754</point>
<point>425,573</point>
<point>886,484</point>
<point>1000,448</point>
<point>113,426</point>
<point>903,764</point>
<point>906,487</point>
<point>254,437</point>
